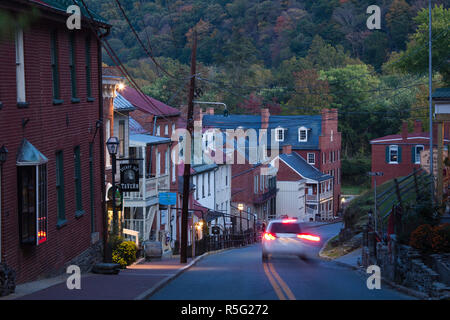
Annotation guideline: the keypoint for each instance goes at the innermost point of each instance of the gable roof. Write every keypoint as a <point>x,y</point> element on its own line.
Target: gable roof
<point>303,168</point>
<point>122,104</point>
<point>149,104</point>
<point>441,94</point>
<point>290,124</point>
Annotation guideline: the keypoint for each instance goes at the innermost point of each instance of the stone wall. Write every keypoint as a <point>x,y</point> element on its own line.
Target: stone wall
<point>403,265</point>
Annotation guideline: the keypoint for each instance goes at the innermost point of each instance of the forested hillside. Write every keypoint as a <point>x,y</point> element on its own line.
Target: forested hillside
<point>294,57</point>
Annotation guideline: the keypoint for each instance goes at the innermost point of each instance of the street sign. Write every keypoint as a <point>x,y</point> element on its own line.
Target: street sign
<point>375,173</point>
<point>129,177</point>
<point>168,198</point>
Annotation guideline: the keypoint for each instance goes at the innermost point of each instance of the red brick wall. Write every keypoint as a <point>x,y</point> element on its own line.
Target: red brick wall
<point>50,128</point>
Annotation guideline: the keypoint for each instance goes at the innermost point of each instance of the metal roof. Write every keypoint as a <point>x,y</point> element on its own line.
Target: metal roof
<point>28,155</point>
<point>122,104</point>
<point>303,168</point>
<point>142,140</point>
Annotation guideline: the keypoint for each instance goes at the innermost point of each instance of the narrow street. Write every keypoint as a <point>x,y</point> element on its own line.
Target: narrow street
<point>239,274</point>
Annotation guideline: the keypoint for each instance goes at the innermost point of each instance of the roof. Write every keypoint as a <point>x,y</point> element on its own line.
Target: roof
<point>398,139</point>
<point>135,127</point>
<point>290,124</point>
<point>28,155</point>
<point>303,168</point>
<point>148,104</point>
<point>441,93</point>
<point>203,168</point>
<point>62,5</point>
<point>122,104</point>
<point>142,140</point>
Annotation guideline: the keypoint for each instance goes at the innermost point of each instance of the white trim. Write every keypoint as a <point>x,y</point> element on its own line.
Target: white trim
<point>20,66</point>
<point>393,162</point>
<point>415,152</point>
<point>307,158</point>
<point>276,134</point>
<point>306,134</point>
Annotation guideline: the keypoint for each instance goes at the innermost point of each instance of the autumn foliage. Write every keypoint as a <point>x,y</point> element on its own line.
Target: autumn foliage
<point>427,238</point>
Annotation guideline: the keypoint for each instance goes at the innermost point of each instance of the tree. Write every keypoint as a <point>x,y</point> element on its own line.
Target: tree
<point>398,19</point>
<point>415,58</point>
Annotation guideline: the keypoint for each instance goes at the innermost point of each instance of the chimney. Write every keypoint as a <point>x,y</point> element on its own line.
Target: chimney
<point>287,149</point>
<point>198,114</point>
<point>417,126</point>
<point>405,130</point>
<point>210,111</point>
<point>265,114</point>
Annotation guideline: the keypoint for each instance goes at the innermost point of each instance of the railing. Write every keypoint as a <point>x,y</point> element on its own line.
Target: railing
<point>260,198</point>
<point>222,241</point>
<point>312,197</point>
<point>149,187</point>
<point>326,195</point>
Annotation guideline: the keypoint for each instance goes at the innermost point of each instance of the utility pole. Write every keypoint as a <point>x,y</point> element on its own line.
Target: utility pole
<point>430,87</point>
<point>188,156</point>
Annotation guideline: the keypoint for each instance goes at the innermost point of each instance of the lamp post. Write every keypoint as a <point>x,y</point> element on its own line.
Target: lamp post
<point>374,175</point>
<point>113,145</point>
<point>240,208</point>
<point>3,157</point>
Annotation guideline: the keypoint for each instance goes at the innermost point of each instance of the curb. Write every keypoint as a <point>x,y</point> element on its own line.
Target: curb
<point>148,293</point>
<point>325,224</point>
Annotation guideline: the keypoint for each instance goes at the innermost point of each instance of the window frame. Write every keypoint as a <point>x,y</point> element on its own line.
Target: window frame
<point>72,66</point>
<point>392,148</point>
<point>417,154</point>
<point>308,158</point>
<point>277,138</point>
<point>78,181</point>
<point>54,58</point>
<point>60,198</point>
<point>300,130</point>
<point>20,67</point>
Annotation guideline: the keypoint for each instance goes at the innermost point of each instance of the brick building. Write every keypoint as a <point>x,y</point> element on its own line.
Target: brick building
<point>51,195</point>
<point>399,154</point>
<point>315,138</point>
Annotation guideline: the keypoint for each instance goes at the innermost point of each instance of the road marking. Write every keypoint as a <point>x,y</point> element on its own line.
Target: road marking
<point>283,284</point>
<point>274,284</point>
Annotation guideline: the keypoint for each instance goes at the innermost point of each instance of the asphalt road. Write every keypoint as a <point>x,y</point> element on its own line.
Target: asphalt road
<point>240,274</point>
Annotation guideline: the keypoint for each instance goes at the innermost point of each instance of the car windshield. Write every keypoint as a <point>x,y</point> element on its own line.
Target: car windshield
<point>279,227</point>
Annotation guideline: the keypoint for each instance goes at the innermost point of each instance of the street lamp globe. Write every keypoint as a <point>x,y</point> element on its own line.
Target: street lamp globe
<point>3,154</point>
<point>113,145</point>
<point>240,206</point>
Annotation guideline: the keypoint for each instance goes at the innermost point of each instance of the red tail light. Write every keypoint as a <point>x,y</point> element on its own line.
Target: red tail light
<point>308,237</point>
<point>269,236</point>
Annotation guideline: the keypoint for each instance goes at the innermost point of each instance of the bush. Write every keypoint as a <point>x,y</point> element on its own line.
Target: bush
<point>441,238</point>
<point>421,238</point>
<point>429,239</point>
<point>125,253</point>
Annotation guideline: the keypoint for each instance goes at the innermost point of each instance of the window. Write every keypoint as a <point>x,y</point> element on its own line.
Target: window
<point>78,193</point>
<point>324,158</point>
<point>393,154</point>
<point>20,67</point>
<point>196,187</point>
<point>255,186</point>
<point>61,206</point>
<point>331,136</point>
<point>32,197</point>
<point>166,129</point>
<point>416,153</point>
<point>311,158</point>
<point>54,62</point>
<point>73,75</point>
<point>88,66</point>
<point>166,162</point>
<point>203,185</point>
<point>209,184</point>
<point>158,163</point>
<point>302,134</point>
<point>279,134</point>
<point>121,138</point>
<point>173,128</point>
<point>158,130</point>
<point>173,170</point>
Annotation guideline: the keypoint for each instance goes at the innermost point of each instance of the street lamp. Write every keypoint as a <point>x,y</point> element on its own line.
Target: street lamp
<point>240,208</point>
<point>3,157</point>
<point>113,146</point>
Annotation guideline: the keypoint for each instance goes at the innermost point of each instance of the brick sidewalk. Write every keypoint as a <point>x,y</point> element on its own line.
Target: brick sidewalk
<point>135,282</point>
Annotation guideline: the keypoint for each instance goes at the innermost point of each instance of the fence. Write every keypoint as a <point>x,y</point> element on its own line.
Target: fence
<point>221,241</point>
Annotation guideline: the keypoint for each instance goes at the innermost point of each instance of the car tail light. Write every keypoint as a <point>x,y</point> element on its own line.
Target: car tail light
<point>289,220</point>
<point>269,236</point>
<point>308,237</point>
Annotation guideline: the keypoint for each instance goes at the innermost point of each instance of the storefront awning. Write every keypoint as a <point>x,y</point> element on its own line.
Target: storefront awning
<point>142,140</point>
<point>28,155</point>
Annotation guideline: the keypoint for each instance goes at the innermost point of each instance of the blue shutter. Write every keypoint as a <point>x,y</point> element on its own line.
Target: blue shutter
<point>399,154</point>
<point>387,154</point>
<point>413,154</point>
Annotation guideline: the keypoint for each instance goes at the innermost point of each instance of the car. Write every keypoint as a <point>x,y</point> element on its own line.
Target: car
<point>287,237</point>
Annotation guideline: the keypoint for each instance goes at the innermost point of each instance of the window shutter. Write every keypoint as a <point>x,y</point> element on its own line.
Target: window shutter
<point>387,154</point>
<point>413,154</point>
<point>399,154</point>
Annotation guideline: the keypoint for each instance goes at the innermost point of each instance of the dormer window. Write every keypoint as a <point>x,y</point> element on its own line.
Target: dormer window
<point>302,134</point>
<point>279,134</point>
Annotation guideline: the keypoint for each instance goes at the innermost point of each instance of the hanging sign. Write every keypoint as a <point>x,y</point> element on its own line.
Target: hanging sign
<point>129,177</point>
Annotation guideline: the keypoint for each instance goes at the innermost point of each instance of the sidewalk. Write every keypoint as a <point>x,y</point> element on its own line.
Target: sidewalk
<point>136,282</point>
